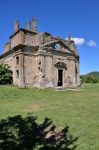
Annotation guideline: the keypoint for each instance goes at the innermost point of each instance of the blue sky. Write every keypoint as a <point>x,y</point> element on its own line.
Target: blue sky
<point>78,18</point>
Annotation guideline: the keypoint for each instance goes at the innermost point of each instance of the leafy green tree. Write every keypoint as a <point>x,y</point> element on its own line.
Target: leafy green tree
<point>5,74</point>
<point>95,81</point>
<point>88,79</point>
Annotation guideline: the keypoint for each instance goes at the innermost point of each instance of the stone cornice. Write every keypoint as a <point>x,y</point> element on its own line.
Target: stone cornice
<point>15,49</point>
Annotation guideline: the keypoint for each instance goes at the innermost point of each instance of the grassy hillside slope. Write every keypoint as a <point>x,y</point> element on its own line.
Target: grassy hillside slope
<point>94,74</point>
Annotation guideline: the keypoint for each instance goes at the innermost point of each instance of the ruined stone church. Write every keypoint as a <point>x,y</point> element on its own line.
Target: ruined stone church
<point>41,60</point>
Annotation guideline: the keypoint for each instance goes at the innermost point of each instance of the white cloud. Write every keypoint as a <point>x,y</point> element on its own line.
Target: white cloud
<point>78,41</point>
<point>91,43</point>
<point>81,41</point>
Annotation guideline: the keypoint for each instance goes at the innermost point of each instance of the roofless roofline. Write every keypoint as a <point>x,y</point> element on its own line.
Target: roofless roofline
<point>28,31</point>
<point>24,30</point>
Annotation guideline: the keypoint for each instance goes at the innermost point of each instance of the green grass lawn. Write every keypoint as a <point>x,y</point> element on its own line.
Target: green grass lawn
<point>79,109</point>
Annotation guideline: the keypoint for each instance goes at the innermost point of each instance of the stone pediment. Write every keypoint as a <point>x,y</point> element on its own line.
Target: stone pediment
<point>61,65</point>
<point>57,45</point>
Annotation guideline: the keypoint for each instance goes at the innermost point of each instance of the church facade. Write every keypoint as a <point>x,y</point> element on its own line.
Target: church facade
<point>40,59</point>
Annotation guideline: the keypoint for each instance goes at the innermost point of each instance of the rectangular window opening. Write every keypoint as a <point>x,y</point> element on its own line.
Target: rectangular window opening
<point>17,73</point>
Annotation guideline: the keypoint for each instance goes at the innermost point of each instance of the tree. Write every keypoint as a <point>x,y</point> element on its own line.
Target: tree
<point>95,81</point>
<point>88,79</point>
<point>5,74</point>
<point>24,133</point>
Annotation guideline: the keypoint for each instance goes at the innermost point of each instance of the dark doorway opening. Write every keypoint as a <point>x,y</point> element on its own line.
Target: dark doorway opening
<point>60,77</point>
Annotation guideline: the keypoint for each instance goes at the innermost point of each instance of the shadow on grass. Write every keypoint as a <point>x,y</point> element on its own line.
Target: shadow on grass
<point>24,133</point>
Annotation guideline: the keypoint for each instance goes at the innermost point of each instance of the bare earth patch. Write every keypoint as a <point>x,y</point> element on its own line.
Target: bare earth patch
<point>36,107</point>
<point>69,89</point>
<point>75,89</point>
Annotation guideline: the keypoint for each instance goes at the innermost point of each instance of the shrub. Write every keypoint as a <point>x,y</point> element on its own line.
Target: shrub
<point>88,79</point>
<point>5,74</point>
<point>18,133</point>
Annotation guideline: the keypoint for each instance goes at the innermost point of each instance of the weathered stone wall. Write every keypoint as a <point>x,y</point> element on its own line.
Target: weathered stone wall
<point>17,39</point>
<point>34,40</point>
<point>49,72</point>
<point>39,39</point>
<point>30,39</point>
<point>31,72</point>
<point>18,68</point>
<point>70,74</point>
<point>28,69</point>
<point>6,47</point>
<point>47,38</point>
<point>78,74</point>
